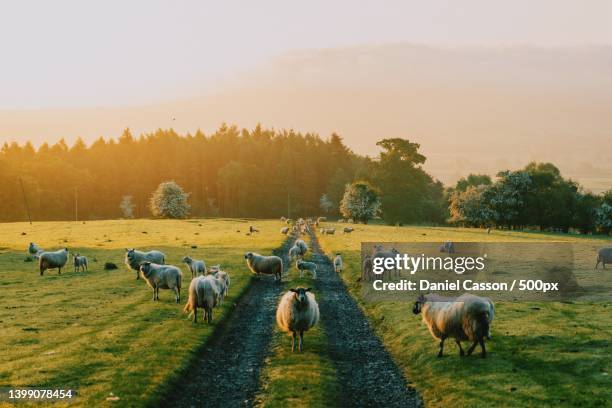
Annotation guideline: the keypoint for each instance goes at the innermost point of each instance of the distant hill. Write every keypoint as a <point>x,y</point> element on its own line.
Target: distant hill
<point>472,109</point>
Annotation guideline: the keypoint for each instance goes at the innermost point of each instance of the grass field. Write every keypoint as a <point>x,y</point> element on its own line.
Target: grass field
<point>542,353</point>
<point>99,332</point>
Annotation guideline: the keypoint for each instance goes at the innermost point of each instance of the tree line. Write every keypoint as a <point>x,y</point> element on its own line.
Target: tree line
<point>266,173</point>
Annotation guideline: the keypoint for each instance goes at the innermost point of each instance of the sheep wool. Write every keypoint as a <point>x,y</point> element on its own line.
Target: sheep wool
<point>162,277</point>
<point>53,260</point>
<point>297,312</point>
<point>134,258</point>
<point>264,265</point>
<point>203,293</point>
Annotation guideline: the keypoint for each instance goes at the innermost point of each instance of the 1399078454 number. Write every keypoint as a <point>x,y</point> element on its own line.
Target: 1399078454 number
<point>538,285</point>
<point>37,394</point>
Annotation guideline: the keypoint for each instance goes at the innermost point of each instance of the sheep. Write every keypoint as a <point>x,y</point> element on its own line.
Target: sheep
<point>289,221</point>
<point>80,262</point>
<point>380,253</point>
<point>448,247</point>
<point>196,266</point>
<point>338,263</point>
<point>264,265</point>
<point>252,229</point>
<point>284,230</point>
<point>202,293</point>
<point>134,258</point>
<point>297,312</point>
<point>467,317</point>
<point>52,260</point>
<point>35,250</point>
<point>604,256</point>
<point>221,288</point>
<point>328,231</point>
<point>347,230</point>
<point>225,278</point>
<point>302,245</point>
<point>294,252</point>
<point>162,277</point>
<point>321,219</point>
<point>306,266</point>
<point>283,219</point>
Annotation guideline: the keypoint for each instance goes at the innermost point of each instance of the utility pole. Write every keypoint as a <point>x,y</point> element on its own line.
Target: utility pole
<point>25,200</point>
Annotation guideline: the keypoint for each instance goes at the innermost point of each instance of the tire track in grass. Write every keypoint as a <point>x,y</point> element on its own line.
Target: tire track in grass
<point>366,373</point>
<point>226,371</point>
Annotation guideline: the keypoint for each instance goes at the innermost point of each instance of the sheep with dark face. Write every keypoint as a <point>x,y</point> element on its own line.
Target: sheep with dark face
<point>264,265</point>
<point>196,266</point>
<point>80,263</point>
<point>53,260</point>
<point>162,277</point>
<point>134,258</point>
<point>297,312</point>
<point>466,318</point>
<point>604,256</point>
<point>202,293</point>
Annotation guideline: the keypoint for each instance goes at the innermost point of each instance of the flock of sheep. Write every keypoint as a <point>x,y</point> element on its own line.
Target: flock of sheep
<point>466,318</point>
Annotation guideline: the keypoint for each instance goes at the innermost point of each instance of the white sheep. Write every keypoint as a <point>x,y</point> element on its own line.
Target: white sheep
<point>380,253</point>
<point>264,265</point>
<point>302,245</point>
<point>306,266</point>
<point>162,277</point>
<point>604,256</point>
<point>338,263</point>
<point>297,312</point>
<point>134,258</point>
<point>53,260</point>
<point>466,318</point>
<point>368,268</point>
<point>202,293</point>
<point>225,278</point>
<point>448,247</point>
<point>328,231</point>
<point>80,263</point>
<point>35,250</point>
<point>284,230</point>
<point>196,266</point>
<point>295,252</point>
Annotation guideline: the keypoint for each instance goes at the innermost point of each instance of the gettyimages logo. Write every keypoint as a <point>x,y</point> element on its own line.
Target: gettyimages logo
<point>508,271</point>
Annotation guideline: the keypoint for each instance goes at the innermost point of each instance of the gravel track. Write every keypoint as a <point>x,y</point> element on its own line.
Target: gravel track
<point>226,371</point>
<point>367,375</point>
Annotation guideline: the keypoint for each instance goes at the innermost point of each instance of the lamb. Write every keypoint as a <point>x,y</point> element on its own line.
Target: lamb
<point>80,263</point>
<point>225,278</point>
<point>284,230</point>
<point>35,250</point>
<point>134,258</point>
<point>162,277</point>
<point>368,268</point>
<point>306,266</point>
<point>52,260</point>
<point>338,263</point>
<point>202,293</point>
<point>347,230</point>
<point>196,266</point>
<point>466,318</point>
<point>448,247</point>
<point>604,256</point>
<point>264,265</point>
<point>297,312</point>
<point>221,288</point>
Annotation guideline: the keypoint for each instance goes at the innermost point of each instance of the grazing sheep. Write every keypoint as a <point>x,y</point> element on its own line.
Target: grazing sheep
<point>466,318</point>
<point>338,263</point>
<point>302,245</point>
<point>52,260</point>
<point>297,312</point>
<point>223,276</point>
<point>80,262</point>
<point>35,250</point>
<point>134,258</point>
<point>306,266</point>
<point>448,247</point>
<point>347,230</point>
<point>284,230</point>
<point>196,266</point>
<point>202,293</point>
<point>264,265</point>
<point>252,229</point>
<point>162,277</point>
<point>604,256</point>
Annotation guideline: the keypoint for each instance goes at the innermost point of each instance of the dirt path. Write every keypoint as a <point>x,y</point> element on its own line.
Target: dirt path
<point>367,374</point>
<point>226,372</point>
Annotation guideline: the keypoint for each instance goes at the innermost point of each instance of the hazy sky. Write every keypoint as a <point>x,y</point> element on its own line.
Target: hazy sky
<point>118,53</point>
